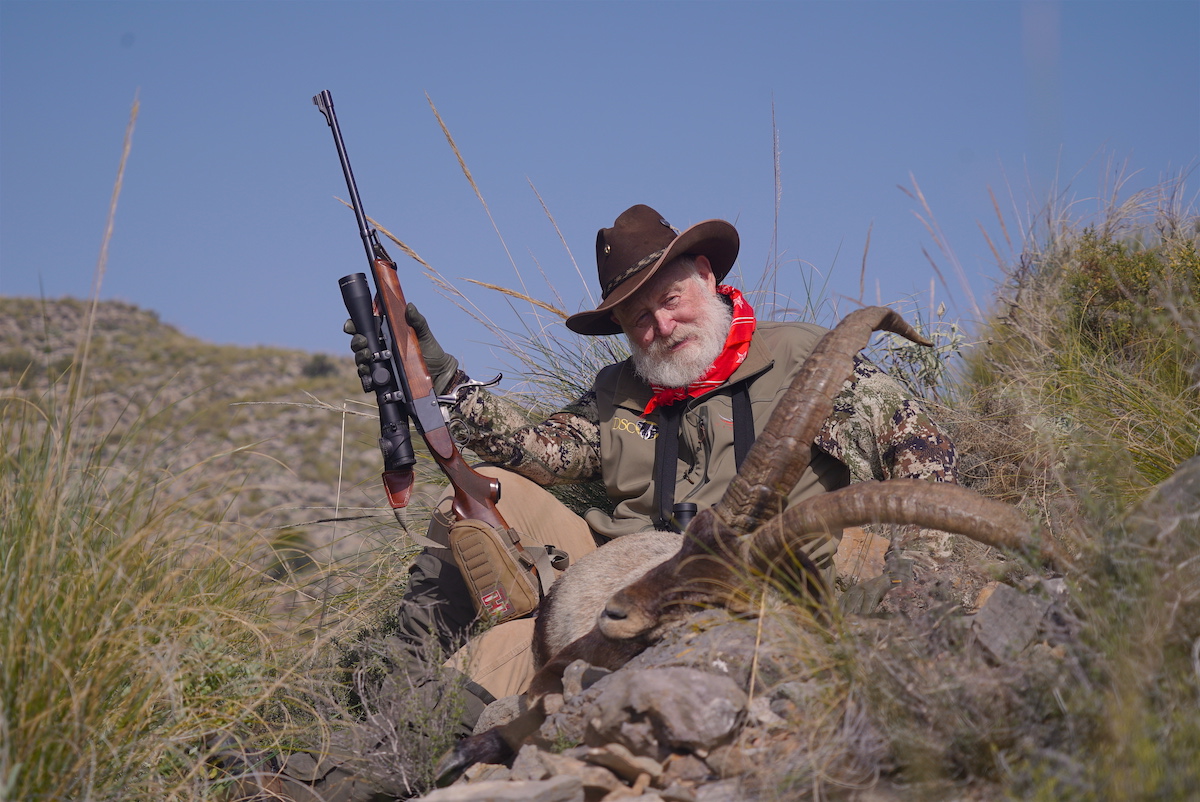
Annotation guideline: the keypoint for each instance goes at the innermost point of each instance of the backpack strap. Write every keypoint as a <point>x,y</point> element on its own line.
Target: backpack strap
<point>666,457</point>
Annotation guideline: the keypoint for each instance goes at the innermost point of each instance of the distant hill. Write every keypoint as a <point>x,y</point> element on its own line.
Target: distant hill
<point>232,416</point>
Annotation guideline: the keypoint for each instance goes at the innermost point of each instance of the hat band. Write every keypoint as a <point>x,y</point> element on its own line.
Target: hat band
<point>637,268</point>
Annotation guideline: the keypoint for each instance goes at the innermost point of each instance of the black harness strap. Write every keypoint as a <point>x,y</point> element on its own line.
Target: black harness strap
<point>666,450</point>
<point>743,424</point>
<point>666,456</point>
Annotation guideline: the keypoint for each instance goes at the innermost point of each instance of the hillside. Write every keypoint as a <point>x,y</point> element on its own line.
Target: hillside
<point>267,419</point>
<point>1066,672</point>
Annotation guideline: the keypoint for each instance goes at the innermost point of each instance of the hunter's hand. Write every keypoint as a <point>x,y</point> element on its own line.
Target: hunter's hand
<point>360,347</point>
<point>442,366</point>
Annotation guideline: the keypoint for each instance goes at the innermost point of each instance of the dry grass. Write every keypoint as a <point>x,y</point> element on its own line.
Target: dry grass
<point>1074,421</point>
<point>136,628</point>
<point>136,624</point>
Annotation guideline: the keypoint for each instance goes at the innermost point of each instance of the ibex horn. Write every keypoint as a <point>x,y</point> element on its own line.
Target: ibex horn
<point>781,453</point>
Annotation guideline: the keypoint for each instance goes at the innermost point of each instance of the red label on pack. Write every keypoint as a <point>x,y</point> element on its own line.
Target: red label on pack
<point>496,602</point>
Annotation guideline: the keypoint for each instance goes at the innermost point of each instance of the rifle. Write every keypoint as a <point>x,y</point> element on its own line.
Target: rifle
<point>399,377</point>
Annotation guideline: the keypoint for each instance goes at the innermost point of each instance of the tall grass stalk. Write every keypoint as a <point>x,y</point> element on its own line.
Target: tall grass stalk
<point>128,631</point>
<point>133,628</point>
<point>556,365</point>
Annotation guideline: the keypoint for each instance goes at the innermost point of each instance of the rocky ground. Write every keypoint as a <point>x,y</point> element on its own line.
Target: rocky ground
<point>781,707</point>
<point>952,671</point>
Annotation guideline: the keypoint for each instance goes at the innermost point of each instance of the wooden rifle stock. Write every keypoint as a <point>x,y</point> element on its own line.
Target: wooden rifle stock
<point>475,495</point>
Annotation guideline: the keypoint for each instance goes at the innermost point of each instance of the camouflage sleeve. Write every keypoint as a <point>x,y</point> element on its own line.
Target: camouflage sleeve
<point>563,448</point>
<point>880,432</point>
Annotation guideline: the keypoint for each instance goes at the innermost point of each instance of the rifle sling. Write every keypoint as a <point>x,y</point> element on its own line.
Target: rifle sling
<point>541,561</point>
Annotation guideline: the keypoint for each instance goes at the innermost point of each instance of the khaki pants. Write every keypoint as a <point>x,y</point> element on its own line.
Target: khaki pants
<point>501,659</point>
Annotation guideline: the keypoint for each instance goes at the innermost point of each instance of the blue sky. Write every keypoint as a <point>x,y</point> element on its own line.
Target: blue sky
<point>227,224</point>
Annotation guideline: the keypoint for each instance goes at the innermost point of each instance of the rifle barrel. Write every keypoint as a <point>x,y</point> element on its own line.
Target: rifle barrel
<point>324,102</point>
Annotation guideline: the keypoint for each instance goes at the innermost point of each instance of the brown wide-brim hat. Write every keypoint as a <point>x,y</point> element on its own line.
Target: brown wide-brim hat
<point>639,243</point>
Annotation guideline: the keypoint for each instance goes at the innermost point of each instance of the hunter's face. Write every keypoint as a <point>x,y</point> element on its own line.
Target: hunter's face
<point>676,324</point>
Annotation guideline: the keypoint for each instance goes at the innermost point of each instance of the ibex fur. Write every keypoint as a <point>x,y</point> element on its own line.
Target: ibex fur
<point>597,614</point>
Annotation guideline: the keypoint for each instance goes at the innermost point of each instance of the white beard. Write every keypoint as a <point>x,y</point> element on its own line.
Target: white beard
<point>657,365</point>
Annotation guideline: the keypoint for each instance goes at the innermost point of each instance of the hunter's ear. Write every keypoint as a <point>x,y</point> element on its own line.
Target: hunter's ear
<point>704,270</point>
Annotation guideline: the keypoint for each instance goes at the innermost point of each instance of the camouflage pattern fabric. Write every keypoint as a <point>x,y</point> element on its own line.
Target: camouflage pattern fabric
<point>564,448</point>
<point>877,430</point>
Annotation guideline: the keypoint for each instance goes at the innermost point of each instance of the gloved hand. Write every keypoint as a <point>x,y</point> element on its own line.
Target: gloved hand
<point>442,366</point>
<point>362,351</point>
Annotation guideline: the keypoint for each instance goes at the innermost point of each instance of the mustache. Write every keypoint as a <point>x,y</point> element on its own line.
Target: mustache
<point>660,345</point>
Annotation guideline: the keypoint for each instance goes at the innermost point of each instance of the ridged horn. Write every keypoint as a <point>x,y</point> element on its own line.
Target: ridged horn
<point>934,505</point>
<point>781,453</point>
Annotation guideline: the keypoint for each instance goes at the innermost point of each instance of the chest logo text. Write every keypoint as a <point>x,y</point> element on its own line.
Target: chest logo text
<point>643,429</point>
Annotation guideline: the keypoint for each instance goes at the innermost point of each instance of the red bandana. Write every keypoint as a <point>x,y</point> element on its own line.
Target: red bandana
<point>737,344</point>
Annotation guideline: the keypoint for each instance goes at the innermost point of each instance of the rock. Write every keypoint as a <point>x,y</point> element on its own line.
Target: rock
<point>597,781</point>
<point>677,793</point>
<point>579,676</point>
<point>1007,620</point>
<point>864,597</point>
<point>1172,507</point>
<point>556,789</point>
<point>482,772</point>
<point>637,790</point>
<point>656,711</point>
<point>532,763</point>
<point>623,763</point>
<point>687,769</point>
<point>723,791</point>
<point>728,761</point>
<point>860,555</point>
<point>715,643</point>
<point>500,712</point>
<point>552,703</point>
<point>792,699</point>
<point>762,714</point>
<point>528,764</point>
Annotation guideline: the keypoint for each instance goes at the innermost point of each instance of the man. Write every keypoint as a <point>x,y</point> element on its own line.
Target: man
<point>702,380</point>
<point>698,355</point>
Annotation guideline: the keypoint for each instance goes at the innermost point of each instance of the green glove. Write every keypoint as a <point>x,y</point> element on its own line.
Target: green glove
<point>362,353</point>
<point>442,366</point>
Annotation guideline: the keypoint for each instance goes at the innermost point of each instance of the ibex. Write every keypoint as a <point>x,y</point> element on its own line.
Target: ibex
<point>596,613</point>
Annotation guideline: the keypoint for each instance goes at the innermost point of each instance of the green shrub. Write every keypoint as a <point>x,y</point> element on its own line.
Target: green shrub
<point>1113,288</point>
<point>319,365</point>
<point>1083,396</point>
